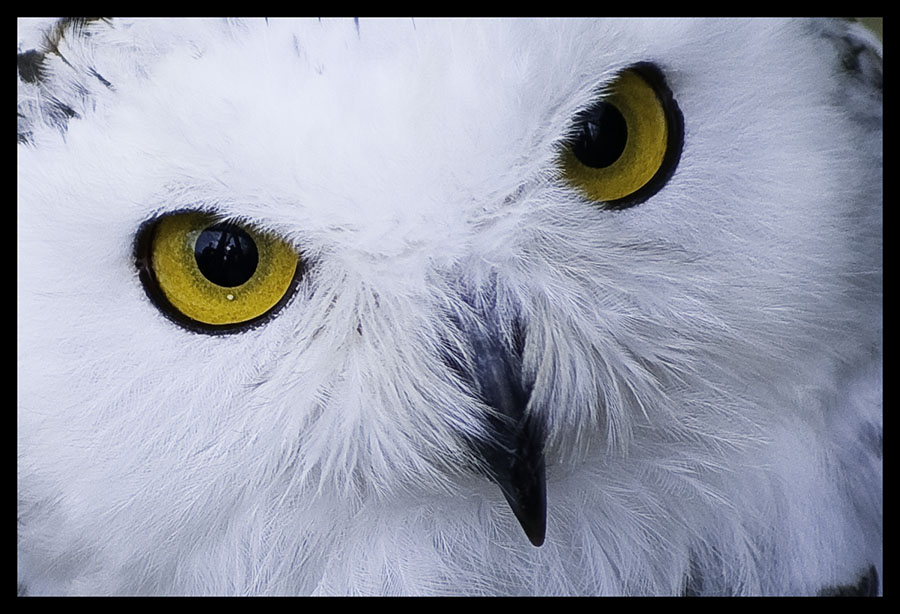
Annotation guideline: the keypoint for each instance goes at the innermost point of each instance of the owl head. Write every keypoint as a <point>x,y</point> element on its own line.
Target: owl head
<point>345,306</point>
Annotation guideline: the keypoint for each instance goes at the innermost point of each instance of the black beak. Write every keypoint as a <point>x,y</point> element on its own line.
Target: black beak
<point>513,450</point>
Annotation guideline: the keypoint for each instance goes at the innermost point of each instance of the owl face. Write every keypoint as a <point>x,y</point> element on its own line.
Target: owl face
<point>346,306</point>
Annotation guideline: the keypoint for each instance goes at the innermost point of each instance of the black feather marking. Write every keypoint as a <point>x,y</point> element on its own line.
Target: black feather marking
<point>64,111</point>
<point>866,586</point>
<point>31,66</point>
<point>862,62</point>
<point>101,79</point>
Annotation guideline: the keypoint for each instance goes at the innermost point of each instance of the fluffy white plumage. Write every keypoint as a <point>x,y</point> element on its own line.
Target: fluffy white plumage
<point>705,367</point>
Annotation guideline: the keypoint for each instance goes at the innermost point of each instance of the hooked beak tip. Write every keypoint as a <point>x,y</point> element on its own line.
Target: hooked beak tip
<point>524,486</point>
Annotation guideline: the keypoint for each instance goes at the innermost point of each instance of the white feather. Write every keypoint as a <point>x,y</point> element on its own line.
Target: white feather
<point>707,364</point>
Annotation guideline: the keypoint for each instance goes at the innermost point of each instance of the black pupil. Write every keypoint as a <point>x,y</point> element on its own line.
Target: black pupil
<point>602,136</point>
<point>226,255</point>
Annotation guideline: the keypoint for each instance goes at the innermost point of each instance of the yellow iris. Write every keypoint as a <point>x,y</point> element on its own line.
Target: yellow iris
<point>218,274</point>
<point>641,148</point>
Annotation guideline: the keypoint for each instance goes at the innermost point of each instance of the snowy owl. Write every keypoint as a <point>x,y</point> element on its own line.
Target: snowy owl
<point>490,307</point>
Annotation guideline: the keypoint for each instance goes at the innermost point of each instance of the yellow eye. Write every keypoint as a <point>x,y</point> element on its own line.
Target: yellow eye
<point>213,276</point>
<point>626,146</point>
